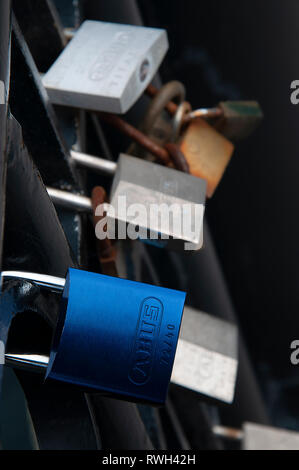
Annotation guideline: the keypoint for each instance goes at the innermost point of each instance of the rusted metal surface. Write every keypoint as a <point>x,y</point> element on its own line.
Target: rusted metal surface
<point>157,124</point>
<point>105,250</point>
<point>168,155</point>
<point>152,91</point>
<point>161,99</point>
<point>137,136</point>
<point>179,160</point>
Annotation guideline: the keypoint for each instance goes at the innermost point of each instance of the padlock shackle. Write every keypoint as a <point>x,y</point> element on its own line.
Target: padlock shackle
<point>51,282</point>
<point>32,362</point>
<point>69,200</point>
<point>100,165</point>
<point>225,432</point>
<point>28,362</point>
<point>172,107</point>
<point>78,202</point>
<point>205,113</point>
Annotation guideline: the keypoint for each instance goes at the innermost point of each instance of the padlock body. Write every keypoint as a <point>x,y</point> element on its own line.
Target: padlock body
<point>207,356</point>
<point>163,203</point>
<point>206,151</point>
<point>106,66</point>
<point>116,336</point>
<point>239,119</point>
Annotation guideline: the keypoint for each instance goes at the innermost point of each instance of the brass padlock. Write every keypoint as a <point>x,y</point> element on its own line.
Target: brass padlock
<point>238,119</point>
<point>207,152</point>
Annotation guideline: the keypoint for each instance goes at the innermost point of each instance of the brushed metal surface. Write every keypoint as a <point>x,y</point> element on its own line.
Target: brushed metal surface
<point>106,66</point>
<point>206,358</point>
<point>144,186</point>
<point>258,437</point>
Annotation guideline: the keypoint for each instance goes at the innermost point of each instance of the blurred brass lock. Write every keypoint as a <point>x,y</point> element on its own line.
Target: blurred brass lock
<point>206,151</point>
<point>239,119</point>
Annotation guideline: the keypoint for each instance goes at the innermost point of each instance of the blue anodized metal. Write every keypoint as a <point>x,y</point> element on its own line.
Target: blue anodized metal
<point>116,336</point>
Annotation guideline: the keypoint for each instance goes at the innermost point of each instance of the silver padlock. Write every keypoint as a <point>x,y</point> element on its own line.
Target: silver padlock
<point>207,356</point>
<point>106,66</point>
<point>255,436</point>
<point>158,204</point>
<point>258,437</point>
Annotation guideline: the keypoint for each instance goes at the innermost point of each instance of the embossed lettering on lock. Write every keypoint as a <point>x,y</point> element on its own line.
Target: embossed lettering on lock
<point>151,312</point>
<point>106,66</point>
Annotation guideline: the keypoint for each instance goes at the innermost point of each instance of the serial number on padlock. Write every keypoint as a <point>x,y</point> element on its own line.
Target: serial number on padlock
<point>168,343</point>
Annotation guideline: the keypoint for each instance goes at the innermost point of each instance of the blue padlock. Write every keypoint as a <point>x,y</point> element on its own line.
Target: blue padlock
<point>116,336</point>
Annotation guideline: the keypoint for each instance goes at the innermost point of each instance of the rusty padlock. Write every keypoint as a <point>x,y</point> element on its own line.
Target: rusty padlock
<point>207,152</point>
